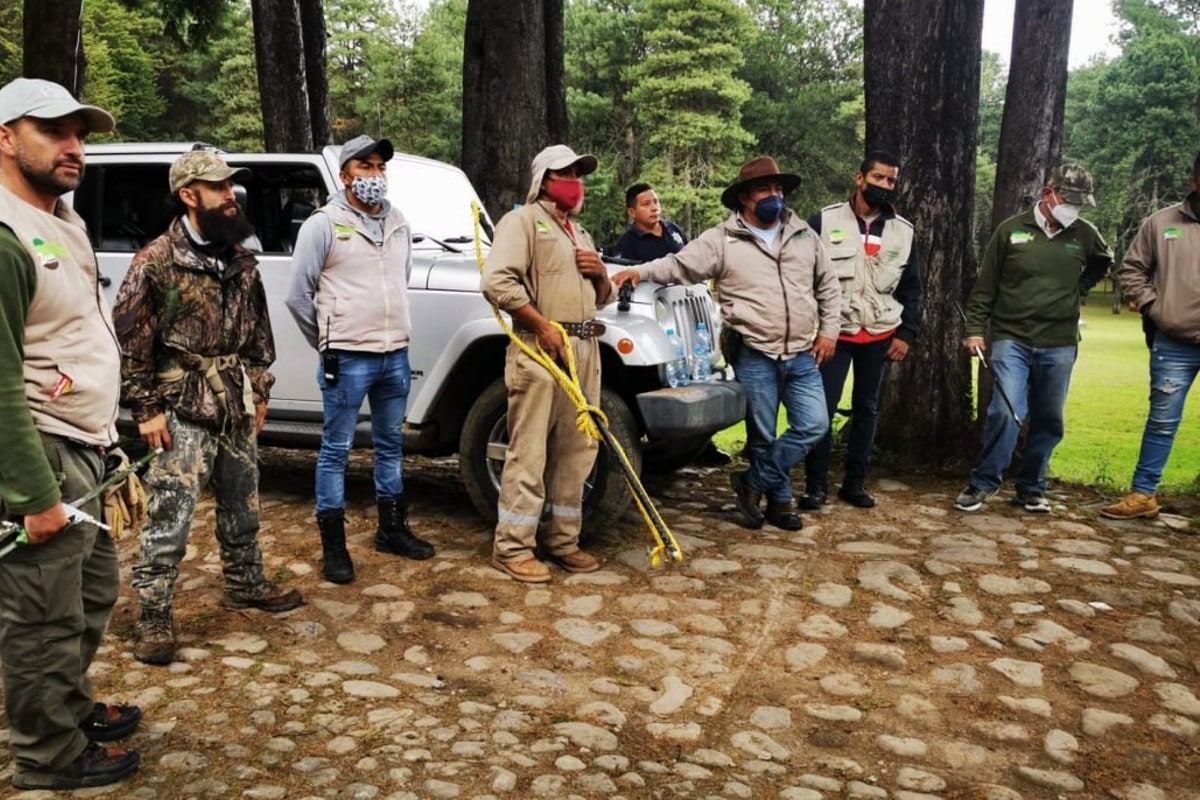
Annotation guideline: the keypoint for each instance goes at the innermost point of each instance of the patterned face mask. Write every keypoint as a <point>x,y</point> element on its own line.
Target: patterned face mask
<point>371,191</point>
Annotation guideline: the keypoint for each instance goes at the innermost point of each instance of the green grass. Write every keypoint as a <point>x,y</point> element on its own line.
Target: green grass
<point>1106,410</point>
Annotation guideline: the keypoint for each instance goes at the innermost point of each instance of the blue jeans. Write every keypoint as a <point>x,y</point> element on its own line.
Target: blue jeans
<point>384,379</point>
<point>796,384</point>
<point>1036,381</point>
<point>1173,368</point>
<point>869,361</point>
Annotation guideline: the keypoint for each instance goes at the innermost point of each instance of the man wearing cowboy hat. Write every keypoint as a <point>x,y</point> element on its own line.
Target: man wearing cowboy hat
<point>781,299</point>
<point>1037,267</point>
<point>542,268</point>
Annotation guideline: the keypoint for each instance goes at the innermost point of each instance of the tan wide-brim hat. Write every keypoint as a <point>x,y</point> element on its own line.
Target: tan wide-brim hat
<point>754,170</point>
<point>556,157</point>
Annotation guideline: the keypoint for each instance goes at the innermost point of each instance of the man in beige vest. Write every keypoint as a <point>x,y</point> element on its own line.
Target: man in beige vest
<point>59,379</point>
<point>874,252</point>
<point>349,295</point>
<point>542,268</point>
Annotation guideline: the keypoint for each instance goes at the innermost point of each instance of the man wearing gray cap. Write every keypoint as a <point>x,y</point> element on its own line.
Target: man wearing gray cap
<point>197,348</point>
<point>543,268</point>
<point>349,296</point>
<point>59,371</point>
<point>1035,272</point>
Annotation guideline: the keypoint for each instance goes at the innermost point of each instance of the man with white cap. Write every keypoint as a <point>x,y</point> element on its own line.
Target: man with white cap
<point>349,295</point>
<point>197,349</point>
<point>59,373</point>
<point>543,268</point>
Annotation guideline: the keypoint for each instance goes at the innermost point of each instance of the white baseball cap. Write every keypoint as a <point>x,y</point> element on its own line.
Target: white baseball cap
<point>34,97</point>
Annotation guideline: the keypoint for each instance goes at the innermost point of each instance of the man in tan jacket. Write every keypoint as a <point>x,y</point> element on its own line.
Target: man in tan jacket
<point>1160,277</point>
<point>543,267</point>
<point>781,298</point>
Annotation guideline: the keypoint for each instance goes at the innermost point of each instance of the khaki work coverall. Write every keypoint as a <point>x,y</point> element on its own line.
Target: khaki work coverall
<point>533,261</point>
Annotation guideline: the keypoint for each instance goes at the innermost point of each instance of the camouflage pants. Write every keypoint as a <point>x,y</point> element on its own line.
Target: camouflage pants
<point>174,482</point>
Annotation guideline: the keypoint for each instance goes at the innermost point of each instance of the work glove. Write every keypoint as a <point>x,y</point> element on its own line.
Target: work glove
<point>125,502</point>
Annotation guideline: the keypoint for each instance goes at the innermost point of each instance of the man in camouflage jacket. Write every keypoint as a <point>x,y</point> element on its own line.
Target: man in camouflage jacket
<point>196,347</point>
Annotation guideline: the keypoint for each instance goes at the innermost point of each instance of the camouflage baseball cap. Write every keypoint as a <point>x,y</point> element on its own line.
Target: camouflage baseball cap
<point>202,165</point>
<point>1074,182</point>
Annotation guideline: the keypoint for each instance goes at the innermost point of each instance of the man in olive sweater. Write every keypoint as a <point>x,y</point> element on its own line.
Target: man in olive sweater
<point>1037,268</point>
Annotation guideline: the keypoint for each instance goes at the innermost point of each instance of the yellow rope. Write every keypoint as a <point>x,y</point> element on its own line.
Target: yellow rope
<point>586,418</point>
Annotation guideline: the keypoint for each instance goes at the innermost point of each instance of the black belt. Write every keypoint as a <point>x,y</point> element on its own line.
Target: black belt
<point>589,329</point>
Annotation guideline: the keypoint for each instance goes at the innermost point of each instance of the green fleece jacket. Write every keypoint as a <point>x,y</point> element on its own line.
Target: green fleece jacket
<point>1030,286</point>
<point>28,485</point>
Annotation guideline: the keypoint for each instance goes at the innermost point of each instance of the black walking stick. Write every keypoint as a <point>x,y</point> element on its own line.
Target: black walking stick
<point>999,386</point>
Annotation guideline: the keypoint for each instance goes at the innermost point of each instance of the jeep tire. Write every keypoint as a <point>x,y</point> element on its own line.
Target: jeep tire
<point>484,439</point>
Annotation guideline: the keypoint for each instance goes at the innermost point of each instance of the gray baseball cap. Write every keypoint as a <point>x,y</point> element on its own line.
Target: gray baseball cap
<point>360,147</point>
<point>1075,183</point>
<point>202,165</point>
<point>41,99</point>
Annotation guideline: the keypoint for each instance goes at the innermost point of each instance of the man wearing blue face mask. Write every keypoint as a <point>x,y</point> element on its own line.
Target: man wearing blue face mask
<point>781,307</point>
<point>1035,272</point>
<point>358,320</point>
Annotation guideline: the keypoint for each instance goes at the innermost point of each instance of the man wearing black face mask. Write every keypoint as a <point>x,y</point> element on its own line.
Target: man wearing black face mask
<point>875,257</point>
<point>781,298</point>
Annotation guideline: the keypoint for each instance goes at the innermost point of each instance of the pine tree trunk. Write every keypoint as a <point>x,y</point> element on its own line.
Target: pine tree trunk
<point>52,48</point>
<point>511,72</point>
<point>1031,132</point>
<point>316,70</point>
<point>921,70</point>
<point>279,53</point>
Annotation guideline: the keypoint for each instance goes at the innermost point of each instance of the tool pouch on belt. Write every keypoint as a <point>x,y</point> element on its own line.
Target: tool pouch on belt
<point>731,345</point>
<point>124,502</point>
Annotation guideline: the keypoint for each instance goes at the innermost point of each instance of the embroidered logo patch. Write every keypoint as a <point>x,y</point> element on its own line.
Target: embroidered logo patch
<point>342,231</point>
<point>49,253</point>
<point>893,253</point>
<point>1172,233</point>
<point>837,236</point>
<point>541,226</point>
<point>1073,248</point>
<point>1020,237</point>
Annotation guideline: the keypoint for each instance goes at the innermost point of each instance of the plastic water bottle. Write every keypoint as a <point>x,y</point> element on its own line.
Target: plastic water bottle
<point>677,367</point>
<point>702,355</point>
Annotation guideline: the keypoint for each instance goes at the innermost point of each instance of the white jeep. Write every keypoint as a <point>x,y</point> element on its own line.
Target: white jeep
<point>458,399</point>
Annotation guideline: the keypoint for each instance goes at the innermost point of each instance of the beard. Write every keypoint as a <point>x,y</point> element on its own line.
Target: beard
<point>220,228</point>
<point>47,180</point>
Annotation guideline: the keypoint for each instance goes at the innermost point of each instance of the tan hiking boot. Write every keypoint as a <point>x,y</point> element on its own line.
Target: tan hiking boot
<point>578,561</point>
<point>1132,506</point>
<point>154,637</point>
<point>529,570</point>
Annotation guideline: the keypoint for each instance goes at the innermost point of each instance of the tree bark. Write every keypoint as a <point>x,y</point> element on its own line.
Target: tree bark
<point>279,54</point>
<point>509,80</point>
<point>316,69</point>
<point>556,72</point>
<point>921,68</point>
<point>52,46</point>
<point>1031,131</point>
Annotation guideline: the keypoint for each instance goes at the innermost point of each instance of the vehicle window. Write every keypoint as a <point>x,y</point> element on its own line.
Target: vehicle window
<point>128,205</point>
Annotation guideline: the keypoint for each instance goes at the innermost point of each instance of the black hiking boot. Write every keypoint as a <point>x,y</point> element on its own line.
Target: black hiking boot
<point>338,568</point>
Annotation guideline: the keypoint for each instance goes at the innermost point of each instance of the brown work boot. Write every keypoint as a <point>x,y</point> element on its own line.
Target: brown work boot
<point>577,561</point>
<point>1132,506</point>
<point>265,596</point>
<point>528,570</point>
<point>154,637</point>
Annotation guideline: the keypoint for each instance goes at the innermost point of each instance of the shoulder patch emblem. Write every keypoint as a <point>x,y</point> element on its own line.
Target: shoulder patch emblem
<point>1172,233</point>
<point>1020,237</point>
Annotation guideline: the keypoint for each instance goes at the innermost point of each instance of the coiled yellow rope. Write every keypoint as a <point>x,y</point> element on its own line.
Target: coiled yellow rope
<point>589,419</point>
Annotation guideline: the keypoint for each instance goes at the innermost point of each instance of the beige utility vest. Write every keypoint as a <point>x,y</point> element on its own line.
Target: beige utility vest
<point>867,283</point>
<point>72,360</point>
<point>362,294</point>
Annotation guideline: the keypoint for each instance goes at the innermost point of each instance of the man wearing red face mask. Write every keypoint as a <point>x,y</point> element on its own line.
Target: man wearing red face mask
<point>542,268</point>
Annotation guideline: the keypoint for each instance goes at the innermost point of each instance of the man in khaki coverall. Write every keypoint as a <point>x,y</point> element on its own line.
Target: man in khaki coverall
<point>543,267</point>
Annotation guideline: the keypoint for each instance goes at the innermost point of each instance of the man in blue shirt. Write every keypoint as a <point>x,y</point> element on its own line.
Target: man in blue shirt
<point>649,235</point>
